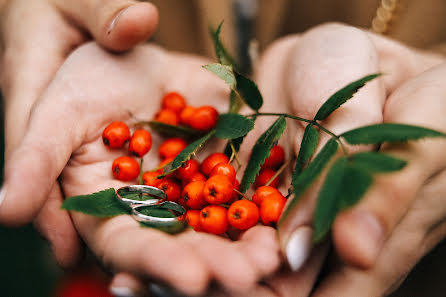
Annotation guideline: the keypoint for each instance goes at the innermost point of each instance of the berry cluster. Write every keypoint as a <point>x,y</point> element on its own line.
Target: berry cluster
<point>209,191</point>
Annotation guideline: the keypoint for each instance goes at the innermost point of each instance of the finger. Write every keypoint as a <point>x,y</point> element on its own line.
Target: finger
<point>126,285</point>
<point>64,240</point>
<point>117,24</point>
<point>313,74</point>
<point>359,233</point>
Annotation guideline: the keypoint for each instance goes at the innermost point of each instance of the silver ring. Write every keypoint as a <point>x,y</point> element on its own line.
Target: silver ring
<point>173,224</point>
<point>140,195</point>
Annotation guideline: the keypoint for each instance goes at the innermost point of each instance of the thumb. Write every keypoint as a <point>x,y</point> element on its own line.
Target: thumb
<point>115,24</point>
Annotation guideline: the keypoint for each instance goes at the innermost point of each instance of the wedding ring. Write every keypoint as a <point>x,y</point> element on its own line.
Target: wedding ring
<point>174,223</point>
<point>140,195</point>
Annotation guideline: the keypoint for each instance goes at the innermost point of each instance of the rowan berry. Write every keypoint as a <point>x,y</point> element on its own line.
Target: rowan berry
<point>166,161</point>
<point>192,195</point>
<point>204,119</point>
<point>125,168</point>
<point>187,170</point>
<point>171,147</point>
<point>271,208</point>
<point>218,189</point>
<point>193,219</point>
<point>197,176</point>
<point>172,189</point>
<point>213,219</point>
<point>224,169</point>
<point>116,134</point>
<point>213,159</point>
<point>173,101</point>
<point>167,116</point>
<point>149,178</point>
<point>264,176</point>
<point>186,115</point>
<point>275,159</point>
<point>235,195</point>
<point>262,192</point>
<point>140,143</point>
<point>243,214</point>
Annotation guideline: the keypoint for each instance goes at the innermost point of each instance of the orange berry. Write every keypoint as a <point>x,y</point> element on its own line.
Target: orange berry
<point>271,208</point>
<point>213,219</point>
<point>213,159</point>
<point>218,189</point>
<point>235,195</point>
<point>193,219</point>
<point>149,178</point>
<point>275,159</point>
<point>125,168</point>
<point>197,176</point>
<point>167,116</point>
<point>187,170</point>
<point>204,119</point>
<point>264,176</point>
<point>262,192</point>
<point>173,101</point>
<point>172,189</point>
<point>116,134</point>
<point>140,143</point>
<point>243,214</point>
<point>192,195</point>
<point>224,169</point>
<point>186,115</point>
<point>171,147</point>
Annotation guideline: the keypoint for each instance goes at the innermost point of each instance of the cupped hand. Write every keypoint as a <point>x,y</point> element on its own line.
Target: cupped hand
<point>402,216</point>
<point>36,37</point>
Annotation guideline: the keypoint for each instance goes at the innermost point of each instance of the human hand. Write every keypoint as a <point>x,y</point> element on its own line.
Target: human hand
<point>401,217</point>
<point>36,37</point>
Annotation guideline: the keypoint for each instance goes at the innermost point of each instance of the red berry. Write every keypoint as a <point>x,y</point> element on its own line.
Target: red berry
<point>171,147</point>
<point>192,195</point>
<point>167,116</point>
<point>193,219</point>
<point>204,119</point>
<point>116,134</point>
<point>271,208</point>
<point>83,285</point>
<point>213,219</point>
<point>171,188</point>
<point>235,195</point>
<point>187,170</point>
<point>264,176</point>
<point>149,178</point>
<point>218,189</point>
<point>243,214</point>
<point>125,168</point>
<point>262,192</point>
<point>186,115</point>
<point>275,159</point>
<point>224,169</point>
<point>197,176</point>
<point>140,143</point>
<point>213,159</point>
<point>173,101</point>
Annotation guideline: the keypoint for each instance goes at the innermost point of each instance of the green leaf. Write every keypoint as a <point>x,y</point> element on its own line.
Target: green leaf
<point>307,149</point>
<point>249,92</point>
<point>187,153</point>
<point>261,151</point>
<point>310,174</point>
<point>230,126</point>
<point>224,72</point>
<point>173,131</point>
<point>342,96</point>
<point>378,133</point>
<point>100,204</point>
<point>375,162</point>
<point>237,142</point>
<point>343,187</point>
<point>235,102</point>
<point>220,51</point>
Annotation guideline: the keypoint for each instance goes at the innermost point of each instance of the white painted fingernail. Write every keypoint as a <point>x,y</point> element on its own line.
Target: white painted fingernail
<point>122,292</point>
<point>298,248</point>
<point>2,195</point>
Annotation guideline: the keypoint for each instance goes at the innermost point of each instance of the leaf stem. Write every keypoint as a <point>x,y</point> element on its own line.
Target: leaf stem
<point>234,155</point>
<point>278,172</point>
<point>241,194</point>
<point>280,114</point>
<point>141,171</point>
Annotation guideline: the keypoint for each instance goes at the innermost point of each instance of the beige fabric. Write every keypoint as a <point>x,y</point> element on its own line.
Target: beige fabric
<point>184,23</point>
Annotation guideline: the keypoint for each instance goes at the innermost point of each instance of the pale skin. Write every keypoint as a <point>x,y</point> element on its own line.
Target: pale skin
<point>45,150</point>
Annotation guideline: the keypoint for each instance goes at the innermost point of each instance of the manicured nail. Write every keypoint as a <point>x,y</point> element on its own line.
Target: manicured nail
<point>370,234</point>
<point>115,20</point>
<point>2,195</point>
<point>298,248</point>
<point>122,292</point>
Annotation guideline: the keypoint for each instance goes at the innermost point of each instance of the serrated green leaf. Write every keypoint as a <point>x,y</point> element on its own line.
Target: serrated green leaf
<point>220,51</point>
<point>309,175</point>
<point>173,131</point>
<point>237,142</point>
<point>249,92</point>
<point>101,204</point>
<point>375,162</point>
<point>388,132</point>
<point>230,126</point>
<point>261,151</point>
<point>224,72</point>
<point>342,96</point>
<point>307,149</point>
<point>187,153</point>
<point>235,102</point>
<point>343,187</point>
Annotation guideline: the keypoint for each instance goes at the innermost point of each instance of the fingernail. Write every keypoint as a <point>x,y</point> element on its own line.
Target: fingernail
<point>370,234</point>
<point>298,247</point>
<point>2,195</point>
<point>122,292</point>
<point>115,20</point>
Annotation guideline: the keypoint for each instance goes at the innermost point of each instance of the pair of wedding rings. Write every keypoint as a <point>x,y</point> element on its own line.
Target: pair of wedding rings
<point>150,208</point>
